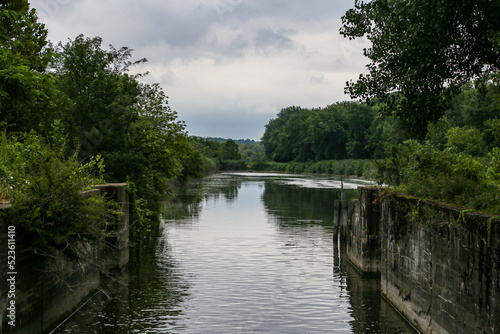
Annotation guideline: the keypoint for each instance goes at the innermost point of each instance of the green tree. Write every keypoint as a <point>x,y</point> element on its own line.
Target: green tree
<point>271,137</point>
<point>103,96</point>
<point>328,133</point>
<point>208,147</point>
<point>230,150</point>
<point>129,124</point>
<point>155,148</point>
<point>253,151</point>
<point>477,103</point>
<point>468,140</point>
<point>492,132</point>
<point>413,71</point>
<point>438,131</point>
<point>22,34</point>
<point>27,93</point>
<point>295,140</point>
<point>338,131</point>
<point>358,118</point>
<point>384,132</point>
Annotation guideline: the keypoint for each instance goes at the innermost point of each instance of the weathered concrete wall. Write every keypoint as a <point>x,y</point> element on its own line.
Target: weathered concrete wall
<point>363,245</point>
<point>46,293</point>
<point>439,264</point>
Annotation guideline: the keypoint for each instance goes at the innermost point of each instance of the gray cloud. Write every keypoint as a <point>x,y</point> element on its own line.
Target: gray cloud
<point>227,65</point>
<point>212,122</point>
<point>267,38</point>
<point>318,79</point>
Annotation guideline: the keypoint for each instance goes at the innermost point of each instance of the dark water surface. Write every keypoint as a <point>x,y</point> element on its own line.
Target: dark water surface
<point>243,253</point>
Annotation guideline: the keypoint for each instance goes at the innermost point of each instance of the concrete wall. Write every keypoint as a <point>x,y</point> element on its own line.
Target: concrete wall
<point>439,265</point>
<point>363,245</point>
<point>46,293</point>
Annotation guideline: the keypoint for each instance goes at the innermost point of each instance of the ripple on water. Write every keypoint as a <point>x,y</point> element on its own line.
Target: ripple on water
<point>237,263</point>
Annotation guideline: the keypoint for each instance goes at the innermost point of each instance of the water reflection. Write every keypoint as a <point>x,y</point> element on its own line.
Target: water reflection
<point>371,313</point>
<point>291,204</point>
<point>243,253</point>
<point>188,202</point>
<point>158,289</point>
<point>146,297</point>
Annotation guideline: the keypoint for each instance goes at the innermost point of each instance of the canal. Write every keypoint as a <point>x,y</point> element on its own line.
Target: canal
<point>243,253</point>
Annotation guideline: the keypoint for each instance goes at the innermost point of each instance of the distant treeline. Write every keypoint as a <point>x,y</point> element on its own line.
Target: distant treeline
<point>346,130</point>
<point>352,130</point>
<point>221,153</point>
<point>222,140</point>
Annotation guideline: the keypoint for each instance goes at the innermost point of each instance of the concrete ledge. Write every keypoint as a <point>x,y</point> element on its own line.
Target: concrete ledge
<point>439,265</point>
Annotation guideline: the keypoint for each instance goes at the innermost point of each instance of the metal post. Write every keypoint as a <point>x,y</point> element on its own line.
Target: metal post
<point>344,210</point>
<point>336,218</point>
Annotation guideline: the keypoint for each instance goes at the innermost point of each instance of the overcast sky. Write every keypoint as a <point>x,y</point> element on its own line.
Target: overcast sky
<point>228,66</point>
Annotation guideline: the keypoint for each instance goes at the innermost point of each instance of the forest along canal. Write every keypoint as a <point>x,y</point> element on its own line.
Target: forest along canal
<point>244,253</point>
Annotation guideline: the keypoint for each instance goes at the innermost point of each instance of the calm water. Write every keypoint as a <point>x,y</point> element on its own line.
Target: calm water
<point>243,253</point>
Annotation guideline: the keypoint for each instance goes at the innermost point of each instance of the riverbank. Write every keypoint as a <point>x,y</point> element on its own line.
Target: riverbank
<point>351,167</point>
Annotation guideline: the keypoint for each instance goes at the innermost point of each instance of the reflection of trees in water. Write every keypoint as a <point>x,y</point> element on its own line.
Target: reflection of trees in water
<point>148,294</point>
<point>294,205</point>
<point>159,286</point>
<point>370,312</point>
<point>224,186</point>
<point>188,203</point>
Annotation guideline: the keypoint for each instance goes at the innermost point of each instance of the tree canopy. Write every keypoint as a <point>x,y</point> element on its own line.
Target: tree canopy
<point>110,113</point>
<point>86,94</point>
<point>422,52</point>
<point>25,89</point>
<point>339,131</point>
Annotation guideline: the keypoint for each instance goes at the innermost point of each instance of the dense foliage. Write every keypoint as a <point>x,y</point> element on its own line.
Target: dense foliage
<point>365,167</point>
<point>221,153</point>
<point>434,65</point>
<point>422,52</point>
<point>252,151</point>
<point>347,130</point>
<point>68,111</point>
<point>26,91</point>
<point>129,124</point>
<point>218,148</point>
<point>458,161</point>
<point>52,204</point>
<point>424,170</point>
<point>85,97</point>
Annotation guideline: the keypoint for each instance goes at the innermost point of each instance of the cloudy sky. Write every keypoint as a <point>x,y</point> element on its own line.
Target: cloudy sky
<point>228,66</point>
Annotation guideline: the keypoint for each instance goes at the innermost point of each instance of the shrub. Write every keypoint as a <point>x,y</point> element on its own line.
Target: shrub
<point>423,170</point>
<point>210,165</point>
<point>260,166</point>
<point>493,173</point>
<point>466,139</point>
<point>233,165</point>
<point>51,201</point>
<point>278,166</point>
